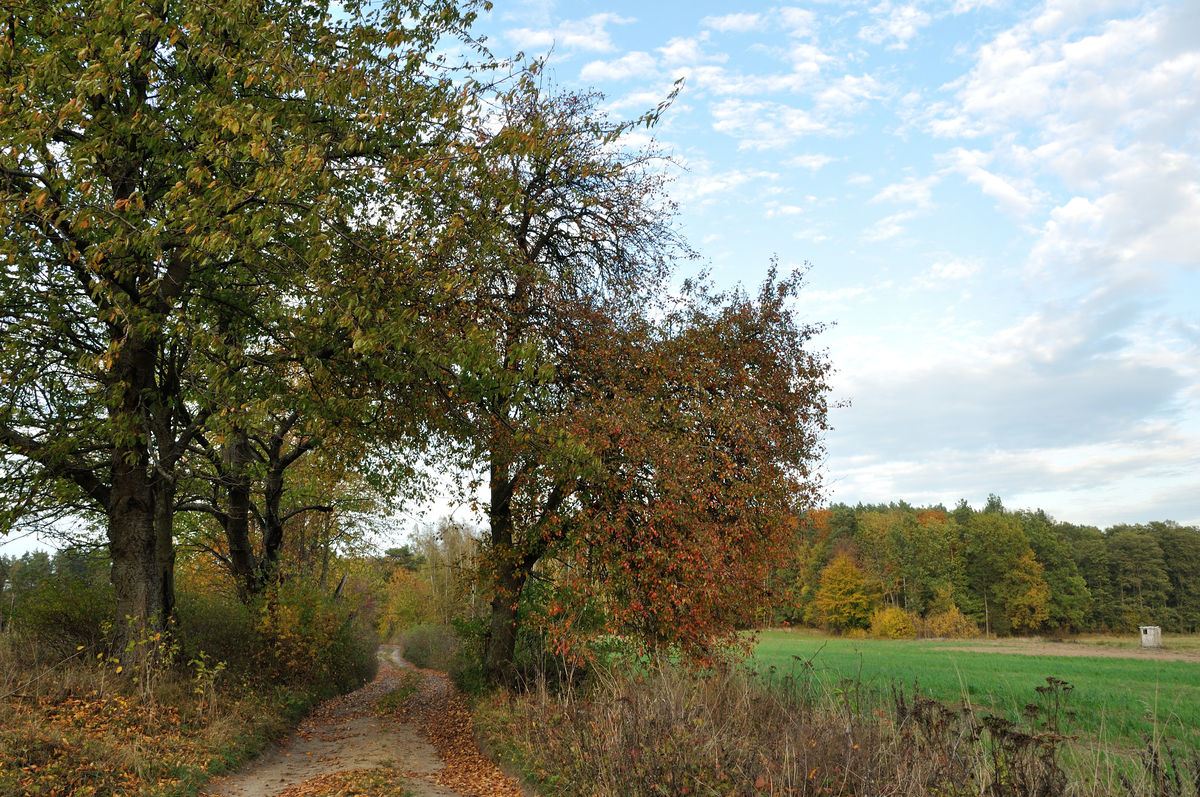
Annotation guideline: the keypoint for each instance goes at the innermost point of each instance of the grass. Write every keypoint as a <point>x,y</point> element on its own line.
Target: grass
<point>1117,701</point>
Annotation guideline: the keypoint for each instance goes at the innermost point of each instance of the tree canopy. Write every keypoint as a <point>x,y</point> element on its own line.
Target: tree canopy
<point>257,251</point>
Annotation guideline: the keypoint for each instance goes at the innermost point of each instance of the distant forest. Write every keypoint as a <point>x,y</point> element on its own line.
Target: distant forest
<point>962,571</point>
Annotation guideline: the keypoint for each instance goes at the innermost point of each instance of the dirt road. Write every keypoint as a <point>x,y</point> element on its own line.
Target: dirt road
<point>424,746</point>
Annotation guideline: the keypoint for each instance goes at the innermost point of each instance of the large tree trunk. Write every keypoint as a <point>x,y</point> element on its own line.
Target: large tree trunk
<point>142,594</point>
<point>499,656</point>
<point>133,543</point>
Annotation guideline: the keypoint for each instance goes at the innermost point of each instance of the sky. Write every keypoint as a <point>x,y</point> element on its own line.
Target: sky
<point>998,204</point>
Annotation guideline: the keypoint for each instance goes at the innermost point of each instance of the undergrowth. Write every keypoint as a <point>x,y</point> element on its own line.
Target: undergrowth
<point>665,731</point>
<point>226,680</point>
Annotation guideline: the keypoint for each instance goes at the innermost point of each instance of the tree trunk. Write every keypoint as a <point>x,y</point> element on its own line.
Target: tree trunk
<point>142,594</point>
<point>237,525</point>
<point>272,523</point>
<point>511,573</point>
<point>133,543</point>
<point>164,534</point>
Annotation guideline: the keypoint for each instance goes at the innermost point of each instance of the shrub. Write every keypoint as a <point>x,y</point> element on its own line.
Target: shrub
<point>313,640</point>
<point>950,624</point>
<point>431,647</point>
<point>892,623</point>
<point>62,615</point>
<point>218,628</point>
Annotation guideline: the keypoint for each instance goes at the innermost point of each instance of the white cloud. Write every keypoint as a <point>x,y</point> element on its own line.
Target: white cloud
<point>704,186</point>
<point>912,191</point>
<point>589,34</point>
<point>811,161</point>
<point>940,274</point>
<point>897,24</point>
<point>798,21</point>
<point>1145,219</point>
<point>888,227</point>
<point>763,125</point>
<point>776,210</point>
<point>965,6</point>
<point>688,50</point>
<point>970,164</point>
<point>848,93</point>
<point>633,64</point>
<point>734,23</point>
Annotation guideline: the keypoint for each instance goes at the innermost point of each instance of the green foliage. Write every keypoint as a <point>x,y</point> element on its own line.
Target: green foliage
<point>433,647</point>
<point>62,601</point>
<point>1010,572</point>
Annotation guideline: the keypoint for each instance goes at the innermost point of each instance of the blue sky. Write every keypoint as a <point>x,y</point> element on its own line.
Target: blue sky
<point>1000,203</point>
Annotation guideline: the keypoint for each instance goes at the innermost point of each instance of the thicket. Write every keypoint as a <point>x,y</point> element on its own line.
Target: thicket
<point>664,730</point>
<point>962,572</point>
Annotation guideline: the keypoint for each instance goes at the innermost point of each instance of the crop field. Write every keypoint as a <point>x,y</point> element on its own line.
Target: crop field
<point>1122,695</point>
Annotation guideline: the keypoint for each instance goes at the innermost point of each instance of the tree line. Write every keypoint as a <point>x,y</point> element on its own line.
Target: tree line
<point>1008,572</point>
<point>263,258</point>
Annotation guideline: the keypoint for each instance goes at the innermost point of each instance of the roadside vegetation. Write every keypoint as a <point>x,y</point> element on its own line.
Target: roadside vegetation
<point>231,678</point>
<point>664,729</point>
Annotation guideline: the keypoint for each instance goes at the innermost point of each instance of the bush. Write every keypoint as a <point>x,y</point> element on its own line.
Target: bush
<point>892,623</point>
<point>950,624</point>
<point>432,647</point>
<point>313,640</point>
<point>219,628</point>
<point>62,615</point>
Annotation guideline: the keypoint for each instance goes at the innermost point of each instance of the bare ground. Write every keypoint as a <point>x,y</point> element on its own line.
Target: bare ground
<point>427,745</point>
<point>1030,647</point>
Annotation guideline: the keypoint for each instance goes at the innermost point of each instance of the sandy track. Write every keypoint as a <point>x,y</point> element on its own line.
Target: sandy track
<point>348,733</point>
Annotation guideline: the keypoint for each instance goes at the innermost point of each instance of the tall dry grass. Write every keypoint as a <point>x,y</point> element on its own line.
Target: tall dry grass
<point>665,731</point>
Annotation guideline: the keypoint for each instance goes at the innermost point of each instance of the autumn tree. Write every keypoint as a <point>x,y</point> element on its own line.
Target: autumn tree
<point>845,598</point>
<point>1069,598</point>
<point>576,405</point>
<point>157,162</point>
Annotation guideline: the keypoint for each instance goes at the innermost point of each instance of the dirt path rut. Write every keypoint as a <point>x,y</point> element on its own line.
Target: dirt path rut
<point>424,747</point>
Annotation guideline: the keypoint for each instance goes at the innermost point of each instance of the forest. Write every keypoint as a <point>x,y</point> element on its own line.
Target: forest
<point>997,571</point>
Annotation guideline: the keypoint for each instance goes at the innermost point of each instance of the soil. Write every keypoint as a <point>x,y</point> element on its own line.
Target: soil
<point>428,742</point>
<point>1067,648</point>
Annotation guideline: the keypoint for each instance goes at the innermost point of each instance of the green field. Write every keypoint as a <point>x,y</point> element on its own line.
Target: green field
<point>1119,702</point>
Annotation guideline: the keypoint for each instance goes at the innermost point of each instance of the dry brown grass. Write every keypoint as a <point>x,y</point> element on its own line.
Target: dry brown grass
<point>665,731</point>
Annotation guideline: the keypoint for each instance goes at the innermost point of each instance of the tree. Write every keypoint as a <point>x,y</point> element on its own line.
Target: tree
<point>1025,595</point>
<point>1138,574</point>
<point>1181,553</point>
<point>159,161</point>
<point>844,598</point>
<point>574,400</point>
<point>1069,598</point>
<point>1089,550</point>
<point>996,549</point>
